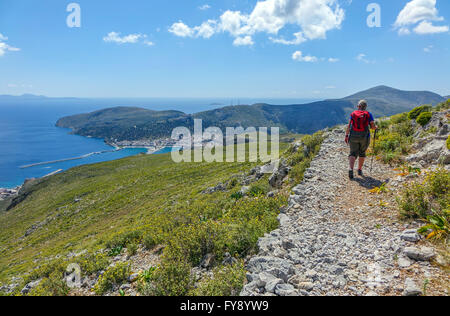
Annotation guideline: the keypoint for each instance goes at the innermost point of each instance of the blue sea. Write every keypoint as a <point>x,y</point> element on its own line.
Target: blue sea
<point>28,134</point>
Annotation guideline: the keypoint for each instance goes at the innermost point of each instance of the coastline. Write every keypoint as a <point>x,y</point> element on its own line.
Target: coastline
<point>152,146</point>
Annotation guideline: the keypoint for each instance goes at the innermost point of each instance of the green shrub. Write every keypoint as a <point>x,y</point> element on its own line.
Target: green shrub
<point>413,202</point>
<point>399,118</point>
<point>171,278</point>
<point>115,251</point>
<point>114,275</point>
<point>122,240</point>
<point>430,202</point>
<point>237,195</point>
<point>443,106</point>
<point>150,241</point>
<point>258,189</point>
<point>91,263</point>
<point>132,249</point>
<point>53,285</point>
<point>438,187</point>
<point>448,143</point>
<point>424,118</point>
<point>414,114</point>
<point>404,129</point>
<point>226,281</point>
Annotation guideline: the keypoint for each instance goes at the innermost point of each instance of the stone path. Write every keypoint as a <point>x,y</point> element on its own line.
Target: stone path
<point>335,238</point>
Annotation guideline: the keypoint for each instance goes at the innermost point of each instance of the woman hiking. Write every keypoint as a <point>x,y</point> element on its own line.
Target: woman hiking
<point>358,136</point>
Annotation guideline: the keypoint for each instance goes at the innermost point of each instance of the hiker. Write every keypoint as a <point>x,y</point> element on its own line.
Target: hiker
<point>358,136</point>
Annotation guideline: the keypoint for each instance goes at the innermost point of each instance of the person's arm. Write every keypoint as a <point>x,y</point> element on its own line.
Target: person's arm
<point>372,122</point>
<point>347,133</point>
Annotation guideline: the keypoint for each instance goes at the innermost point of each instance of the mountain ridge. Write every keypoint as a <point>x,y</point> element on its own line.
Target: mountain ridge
<point>307,118</point>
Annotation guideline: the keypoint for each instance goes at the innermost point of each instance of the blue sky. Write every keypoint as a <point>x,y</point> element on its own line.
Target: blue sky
<point>167,48</point>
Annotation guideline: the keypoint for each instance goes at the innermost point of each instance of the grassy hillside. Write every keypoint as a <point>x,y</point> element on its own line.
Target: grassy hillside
<point>134,123</point>
<point>142,200</point>
<point>85,206</point>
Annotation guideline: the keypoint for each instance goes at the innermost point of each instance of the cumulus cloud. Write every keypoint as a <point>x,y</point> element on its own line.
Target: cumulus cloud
<point>115,37</point>
<point>298,56</point>
<point>5,47</point>
<point>426,27</point>
<point>314,18</point>
<point>205,30</point>
<point>421,13</point>
<point>204,7</point>
<point>333,60</point>
<point>243,41</point>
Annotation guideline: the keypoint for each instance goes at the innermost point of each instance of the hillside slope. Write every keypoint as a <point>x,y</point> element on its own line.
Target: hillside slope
<point>339,237</point>
<point>148,226</point>
<point>133,123</point>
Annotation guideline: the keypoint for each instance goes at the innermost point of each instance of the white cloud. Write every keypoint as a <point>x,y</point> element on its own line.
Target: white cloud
<point>298,56</point>
<point>314,18</point>
<point>363,58</point>
<point>243,41</point>
<point>205,30</point>
<point>423,13</point>
<point>296,41</point>
<point>204,7</point>
<point>180,29</point>
<point>426,27</point>
<point>428,49</point>
<point>115,37</point>
<point>5,47</point>
<point>333,60</point>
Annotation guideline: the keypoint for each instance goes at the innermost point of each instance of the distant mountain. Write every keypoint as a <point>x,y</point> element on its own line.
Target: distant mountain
<point>125,123</point>
<point>386,101</point>
<point>447,97</point>
<point>131,123</point>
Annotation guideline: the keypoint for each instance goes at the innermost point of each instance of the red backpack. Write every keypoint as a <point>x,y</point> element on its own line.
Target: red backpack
<point>360,123</point>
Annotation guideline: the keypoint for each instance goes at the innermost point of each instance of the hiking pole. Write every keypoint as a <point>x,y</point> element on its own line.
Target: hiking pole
<point>373,154</point>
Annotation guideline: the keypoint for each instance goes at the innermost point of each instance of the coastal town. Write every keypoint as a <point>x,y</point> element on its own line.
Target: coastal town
<point>152,145</point>
<point>7,193</point>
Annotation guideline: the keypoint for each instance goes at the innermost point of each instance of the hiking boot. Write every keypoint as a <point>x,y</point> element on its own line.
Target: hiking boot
<point>350,175</point>
<point>360,173</point>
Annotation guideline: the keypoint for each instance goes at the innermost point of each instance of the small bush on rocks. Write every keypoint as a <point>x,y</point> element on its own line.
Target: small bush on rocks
<point>122,240</point>
<point>227,281</point>
<point>424,118</point>
<point>114,275</point>
<point>429,201</point>
<point>414,114</point>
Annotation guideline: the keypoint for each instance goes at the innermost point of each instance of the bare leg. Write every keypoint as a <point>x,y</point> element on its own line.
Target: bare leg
<point>361,163</point>
<point>352,161</point>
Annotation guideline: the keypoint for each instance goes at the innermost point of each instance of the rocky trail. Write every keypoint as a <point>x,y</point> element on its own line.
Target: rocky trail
<point>337,238</point>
